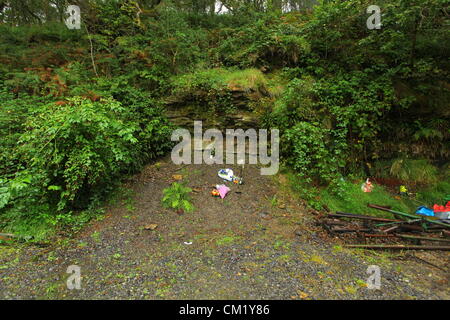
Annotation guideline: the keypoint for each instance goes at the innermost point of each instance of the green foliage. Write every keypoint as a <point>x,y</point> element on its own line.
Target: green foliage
<point>269,42</point>
<point>435,194</point>
<point>343,96</point>
<point>353,200</point>
<point>71,155</point>
<point>414,171</point>
<point>79,147</point>
<point>310,155</point>
<point>246,80</point>
<point>13,114</point>
<point>23,209</point>
<point>83,146</point>
<point>120,17</point>
<point>213,89</point>
<point>177,47</point>
<point>177,197</point>
<point>328,123</point>
<point>356,96</point>
<point>405,59</point>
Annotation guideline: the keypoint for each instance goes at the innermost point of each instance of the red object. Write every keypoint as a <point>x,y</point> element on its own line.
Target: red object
<point>438,208</point>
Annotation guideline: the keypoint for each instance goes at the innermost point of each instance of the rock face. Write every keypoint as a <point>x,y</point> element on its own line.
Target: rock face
<point>234,116</point>
<point>184,117</point>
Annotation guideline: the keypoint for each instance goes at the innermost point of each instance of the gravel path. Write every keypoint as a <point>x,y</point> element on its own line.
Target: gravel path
<point>258,244</point>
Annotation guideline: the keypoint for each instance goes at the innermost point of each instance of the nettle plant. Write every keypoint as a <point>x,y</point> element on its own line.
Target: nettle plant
<point>177,197</point>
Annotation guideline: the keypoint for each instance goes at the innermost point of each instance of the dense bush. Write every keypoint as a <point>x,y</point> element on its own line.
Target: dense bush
<point>358,95</point>
<point>330,124</point>
<point>270,42</point>
<point>71,154</point>
<point>310,152</point>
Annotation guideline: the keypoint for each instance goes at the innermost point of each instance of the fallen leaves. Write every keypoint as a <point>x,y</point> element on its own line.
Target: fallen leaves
<point>300,295</point>
<point>177,177</point>
<point>151,227</point>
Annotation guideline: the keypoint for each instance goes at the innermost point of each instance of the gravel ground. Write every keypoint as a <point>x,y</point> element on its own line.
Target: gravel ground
<point>258,244</point>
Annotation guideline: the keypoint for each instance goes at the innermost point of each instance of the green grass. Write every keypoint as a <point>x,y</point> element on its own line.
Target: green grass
<point>226,240</point>
<point>414,171</point>
<point>435,193</point>
<point>353,200</point>
<point>246,80</point>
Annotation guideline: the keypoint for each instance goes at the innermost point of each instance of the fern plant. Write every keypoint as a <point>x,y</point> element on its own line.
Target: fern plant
<point>419,171</point>
<point>177,197</point>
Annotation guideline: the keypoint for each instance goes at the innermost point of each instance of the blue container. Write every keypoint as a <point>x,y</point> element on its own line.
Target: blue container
<point>424,211</point>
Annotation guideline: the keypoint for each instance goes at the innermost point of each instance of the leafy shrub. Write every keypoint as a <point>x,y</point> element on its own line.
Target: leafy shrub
<point>24,209</point>
<point>175,46</point>
<point>326,123</point>
<point>177,197</point>
<point>311,154</point>
<point>13,115</point>
<point>71,156</point>
<point>83,146</point>
<point>267,42</point>
<point>346,104</point>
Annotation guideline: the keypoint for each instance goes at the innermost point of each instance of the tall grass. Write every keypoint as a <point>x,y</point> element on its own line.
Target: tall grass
<point>435,193</point>
<point>414,171</point>
<point>218,78</point>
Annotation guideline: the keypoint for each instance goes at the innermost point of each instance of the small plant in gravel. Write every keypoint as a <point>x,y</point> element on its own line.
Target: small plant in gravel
<point>177,197</point>
<point>274,201</point>
<point>226,240</point>
<point>281,245</point>
<point>82,244</point>
<point>96,236</point>
<point>361,283</point>
<point>51,257</point>
<point>351,290</point>
<point>52,290</point>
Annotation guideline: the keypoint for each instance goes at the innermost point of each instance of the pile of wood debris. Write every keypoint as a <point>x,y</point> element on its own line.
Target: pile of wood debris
<point>404,232</point>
